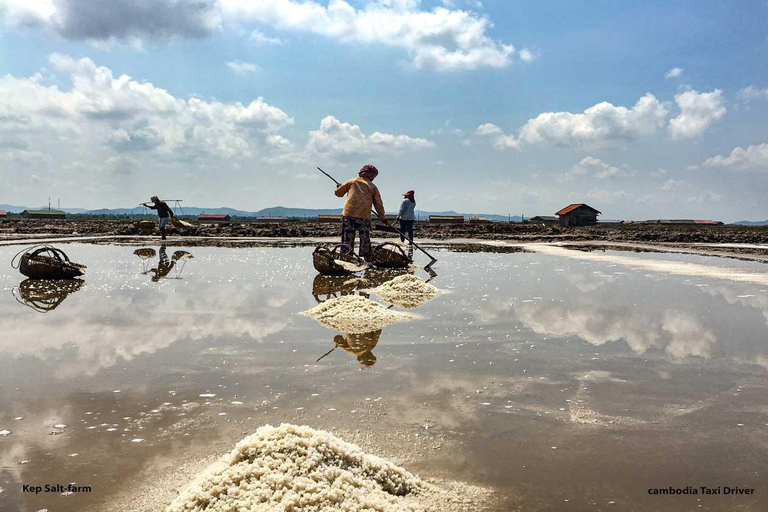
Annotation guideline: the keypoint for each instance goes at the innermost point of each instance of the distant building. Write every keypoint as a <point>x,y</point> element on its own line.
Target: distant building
<point>684,222</point>
<point>213,217</point>
<point>3,214</point>
<point>478,220</point>
<point>43,214</point>
<point>329,218</point>
<point>543,219</point>
<point>578,214</point>
<point>447,219</point>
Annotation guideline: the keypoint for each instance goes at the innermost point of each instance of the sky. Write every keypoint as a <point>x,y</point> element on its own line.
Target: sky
<point>643,110</point>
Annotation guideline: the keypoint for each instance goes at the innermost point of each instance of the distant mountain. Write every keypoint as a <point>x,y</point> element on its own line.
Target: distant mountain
<point>276,211</point>
<point>751,223</point>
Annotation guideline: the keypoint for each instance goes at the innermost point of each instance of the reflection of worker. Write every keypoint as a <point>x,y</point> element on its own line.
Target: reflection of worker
<point>163,211</point>
<point>164,265</point>
<point>360,345</point>
<point>362,195</point>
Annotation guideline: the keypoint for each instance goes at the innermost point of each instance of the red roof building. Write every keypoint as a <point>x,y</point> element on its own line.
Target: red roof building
<point>213,217</point>
<point>578,214</point>
<point>3,213</point>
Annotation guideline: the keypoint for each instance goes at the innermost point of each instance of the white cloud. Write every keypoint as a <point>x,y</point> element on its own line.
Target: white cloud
<point>659,173</point>
<point>599,169</point>
<point>527,55</point>
<point>441,38</point>
<point>104,20</point>
<point>259,37</point>
<point>705,196</point>
<point>447,128</point>
<point>607,196</point>
<point>498,138</point>
<point>753,93</point>
<point>600,124</point>
<point>103,114</point>
<point>752,158</point>
<point>698,112</point>
<point>674,73</point>
<point>345,141</point>
<point>670,185</point>
<point>241,68</point>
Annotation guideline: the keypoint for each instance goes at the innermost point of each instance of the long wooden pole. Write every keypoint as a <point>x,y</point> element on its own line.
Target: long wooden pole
<point>434,260</point>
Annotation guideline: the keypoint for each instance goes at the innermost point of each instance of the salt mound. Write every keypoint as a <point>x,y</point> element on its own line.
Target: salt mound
<point>305,470</point>
<point>356,315</point>
<point>407,291</point>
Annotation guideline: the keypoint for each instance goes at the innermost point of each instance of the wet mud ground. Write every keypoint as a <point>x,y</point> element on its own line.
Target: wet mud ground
<point>636,233</point>
<point>558,382</point>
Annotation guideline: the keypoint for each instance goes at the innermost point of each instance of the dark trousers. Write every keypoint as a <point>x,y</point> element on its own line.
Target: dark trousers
<point>349,225</point>
<point>406,226</point>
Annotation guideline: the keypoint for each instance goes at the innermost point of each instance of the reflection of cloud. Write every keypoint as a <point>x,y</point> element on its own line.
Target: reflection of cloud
<point>689,337</point>
<point>126,323</point>
<point>597,323</point>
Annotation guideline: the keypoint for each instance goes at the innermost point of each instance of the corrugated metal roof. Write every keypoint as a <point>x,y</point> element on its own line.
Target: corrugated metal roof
<point>45,212</point>
<point>572,207</point>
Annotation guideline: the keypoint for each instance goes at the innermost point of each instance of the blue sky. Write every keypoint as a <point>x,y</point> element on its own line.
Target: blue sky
<point>641,109</point>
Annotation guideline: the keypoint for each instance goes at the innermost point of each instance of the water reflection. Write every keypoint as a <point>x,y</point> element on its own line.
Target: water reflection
<point>361,345</point>
<point>45,295</point>
<point>120,316</point>
<point>164,264</point>
<point>146,254</point>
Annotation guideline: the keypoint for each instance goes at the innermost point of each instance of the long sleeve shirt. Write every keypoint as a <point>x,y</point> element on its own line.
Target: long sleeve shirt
<point>362,194</point>
<point>407,210</point>
<point>163,210</point>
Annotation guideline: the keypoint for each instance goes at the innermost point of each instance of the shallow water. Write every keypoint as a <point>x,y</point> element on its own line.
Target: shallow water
<point>563,384</point>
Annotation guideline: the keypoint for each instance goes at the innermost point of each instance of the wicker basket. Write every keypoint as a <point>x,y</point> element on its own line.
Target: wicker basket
<point>327,261</point>
<point>48,263</point>
<point>46,295</point>
<point>389,255</point>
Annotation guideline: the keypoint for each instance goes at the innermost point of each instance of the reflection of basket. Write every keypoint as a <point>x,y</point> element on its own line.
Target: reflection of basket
<point>389,255</point>
<point>331,262</point>
<point>145,253</point>
<point>48,263</point>
<point>46,295</point>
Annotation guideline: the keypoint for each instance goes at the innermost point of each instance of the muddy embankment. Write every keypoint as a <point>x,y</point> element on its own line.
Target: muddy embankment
<point>10,228</point>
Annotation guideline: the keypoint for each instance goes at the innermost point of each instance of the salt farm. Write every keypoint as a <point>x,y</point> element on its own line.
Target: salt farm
<point>526,379</point>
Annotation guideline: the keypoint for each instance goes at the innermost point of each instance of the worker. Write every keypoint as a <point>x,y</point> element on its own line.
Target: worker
<point>163,211</point>
<point>407,216</point>
<point>362,195</point>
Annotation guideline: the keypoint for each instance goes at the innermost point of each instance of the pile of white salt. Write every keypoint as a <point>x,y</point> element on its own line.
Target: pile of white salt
<point>356,315</point>
<point>407,291</point>
<point>306,470</point>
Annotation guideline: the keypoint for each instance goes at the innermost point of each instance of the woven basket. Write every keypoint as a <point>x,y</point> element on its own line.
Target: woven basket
<point>389,255</point>
<point>49,263</point>
<point>326,261</point>
<point>45,295</point>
